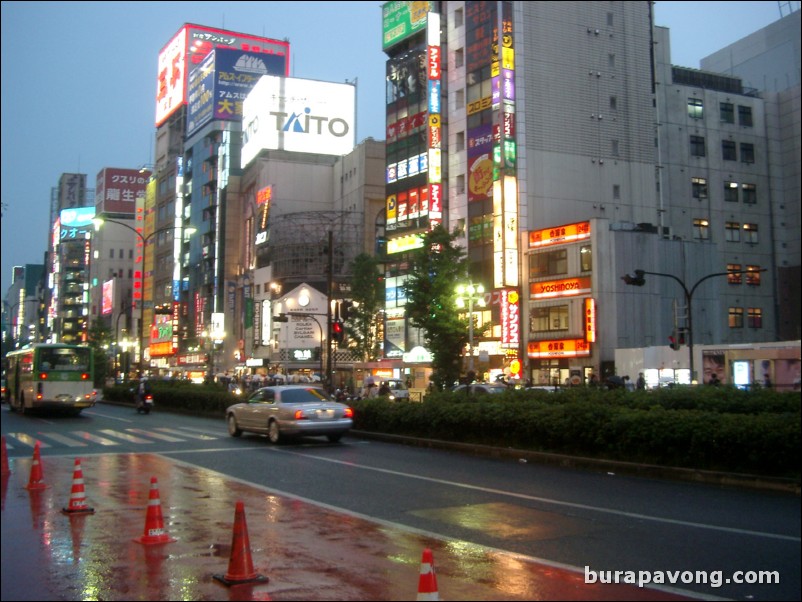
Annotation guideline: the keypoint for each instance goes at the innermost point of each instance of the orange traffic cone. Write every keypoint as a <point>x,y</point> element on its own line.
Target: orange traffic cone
<point>240,565</point>
<point>36,481</point>
<point>154,523</point>
<point>77,496</point>
<point>4,460</point>
<point>427,584</point>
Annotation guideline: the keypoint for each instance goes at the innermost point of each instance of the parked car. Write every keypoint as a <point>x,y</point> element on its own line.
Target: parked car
<point>481,388</point>
<point>286,411</point>
<point>398,390</point>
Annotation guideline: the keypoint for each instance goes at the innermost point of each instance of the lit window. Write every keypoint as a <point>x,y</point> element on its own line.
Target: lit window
<point>732,232</point>
<point>701,229</point>
<point>736,317</point>
<point>749,192</point>
<point>754,317</point>
<point>750,233</point>
<point>695,108</point>
<point>753,275</point>
<point>731,192</point>
<point>699,186</point>
<point>734,278</point>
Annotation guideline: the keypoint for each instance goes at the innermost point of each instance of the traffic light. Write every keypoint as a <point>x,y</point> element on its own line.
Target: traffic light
<point>673,342</point>
<point>681,336</point>
<point>337,331</point>
<point>636,280</point>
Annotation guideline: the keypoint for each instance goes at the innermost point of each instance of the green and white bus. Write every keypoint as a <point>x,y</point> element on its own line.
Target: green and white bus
<point>51,376</point>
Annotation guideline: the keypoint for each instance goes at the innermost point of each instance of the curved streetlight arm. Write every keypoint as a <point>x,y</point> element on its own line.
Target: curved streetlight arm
<point>98,222</point>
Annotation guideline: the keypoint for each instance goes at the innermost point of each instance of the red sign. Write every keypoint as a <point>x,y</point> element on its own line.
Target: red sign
<point>434,62</point>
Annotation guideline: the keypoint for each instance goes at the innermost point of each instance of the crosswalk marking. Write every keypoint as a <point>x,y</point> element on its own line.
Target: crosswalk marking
<point>156,435</point>
<point>65,440</point>
<point>26,439</point>
<point>95,438</point>
<point>106,437</point>
<point>185,434</point>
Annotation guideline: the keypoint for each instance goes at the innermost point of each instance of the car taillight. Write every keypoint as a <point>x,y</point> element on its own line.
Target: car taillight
<point>85,376</point>
<point>299,415</point>
<point>43,376</point>
<point>39,391</point>
<point>348,413</point>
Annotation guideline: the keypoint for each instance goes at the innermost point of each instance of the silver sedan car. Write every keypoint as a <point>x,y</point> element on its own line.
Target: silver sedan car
<point>285,411</point>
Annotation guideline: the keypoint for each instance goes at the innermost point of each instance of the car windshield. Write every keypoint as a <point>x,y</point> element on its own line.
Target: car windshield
<point>303,395</point>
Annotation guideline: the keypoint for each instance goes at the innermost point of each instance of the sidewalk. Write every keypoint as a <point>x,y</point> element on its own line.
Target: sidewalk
<point>306,551</point>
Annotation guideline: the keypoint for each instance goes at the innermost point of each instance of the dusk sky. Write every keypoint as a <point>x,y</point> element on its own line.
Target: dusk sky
<point>79,80</point>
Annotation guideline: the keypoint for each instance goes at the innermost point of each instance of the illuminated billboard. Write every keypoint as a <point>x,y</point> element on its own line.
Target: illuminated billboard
<point>117,190</point>
<point>218,86</point>
<point>401,20</point>
<point>107,300</point>
<point>298,115</point>
<point>187,50</point>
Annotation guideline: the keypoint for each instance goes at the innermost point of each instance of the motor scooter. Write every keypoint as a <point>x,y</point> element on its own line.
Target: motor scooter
<point>144,403</point>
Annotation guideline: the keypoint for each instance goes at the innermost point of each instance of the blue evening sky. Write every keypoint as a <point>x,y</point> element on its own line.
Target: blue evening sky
<point>79,80</point>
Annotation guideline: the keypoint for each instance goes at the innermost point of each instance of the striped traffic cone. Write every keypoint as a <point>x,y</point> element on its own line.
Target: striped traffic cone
<point>4,460</point>
<point>78,503</point>
<point>240,565</point>
<point>427,584</point>
<point>154,523</point>
<point>36,481</point>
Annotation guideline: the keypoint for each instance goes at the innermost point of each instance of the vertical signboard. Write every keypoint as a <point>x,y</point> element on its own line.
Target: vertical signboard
<point>118,190</point>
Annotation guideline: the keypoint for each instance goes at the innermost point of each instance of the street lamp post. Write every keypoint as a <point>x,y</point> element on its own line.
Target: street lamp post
<point>470,293</point>
<point>638,280</point>
<point>189,231</point>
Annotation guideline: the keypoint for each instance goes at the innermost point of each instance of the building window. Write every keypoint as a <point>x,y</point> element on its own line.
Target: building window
<point>697,146</point>
<point>728,152</point>
<point>550,263</point>
<point>460,99</point>
<point>611,61</point>
<point>749,192</point>
<point>701,229</point>
<point>459,18</point>
<point>734,278</point>
<point>753,275</point>
<point>111,253</point>
<point>130,273</point>
<point>699,188</point>
<point>616,192</point>
<point>459,57</point>
<point>731,192</point>
<point>750,234</point>
<point>736,317</point>
<point>615,148</point>
<point>754,317</point>
<point>460,141</point>
<point>613,103</point>
<point>732,232</point>
<point>549,319</point>
<point>695,108</point>
<point>747,152</point>
<point>745,116</point>
<point>727,112</point>
<point>586,258</point>
<point>461,184</point>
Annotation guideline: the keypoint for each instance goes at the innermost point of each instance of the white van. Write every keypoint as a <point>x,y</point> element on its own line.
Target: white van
<point>398,390</point>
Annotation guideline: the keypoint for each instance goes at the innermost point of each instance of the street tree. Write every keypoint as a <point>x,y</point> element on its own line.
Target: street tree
<point>100,339</point>
<point>435,270</point>
<point>367,291</point>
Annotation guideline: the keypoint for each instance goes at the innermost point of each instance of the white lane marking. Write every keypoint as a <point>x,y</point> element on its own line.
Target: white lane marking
<point>95,438</point>
<point>553,502</point>
<point>124,436</point>
<point>185,434</point>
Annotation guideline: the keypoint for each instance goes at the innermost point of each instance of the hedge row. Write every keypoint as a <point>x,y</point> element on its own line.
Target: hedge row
<point>706,428</point>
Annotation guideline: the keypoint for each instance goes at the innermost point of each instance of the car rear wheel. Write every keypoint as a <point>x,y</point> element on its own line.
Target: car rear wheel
<point>233,429</point>
<point>273,432</point>
<point>334,438</point>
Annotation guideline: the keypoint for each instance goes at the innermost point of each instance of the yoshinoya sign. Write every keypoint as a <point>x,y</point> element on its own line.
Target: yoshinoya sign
<point>298,115</point>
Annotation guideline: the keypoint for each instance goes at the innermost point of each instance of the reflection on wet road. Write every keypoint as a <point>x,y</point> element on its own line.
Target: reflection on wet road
<point>308,552</point>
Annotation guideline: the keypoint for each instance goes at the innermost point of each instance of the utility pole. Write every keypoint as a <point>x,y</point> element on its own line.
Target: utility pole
<point>329,295</point>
